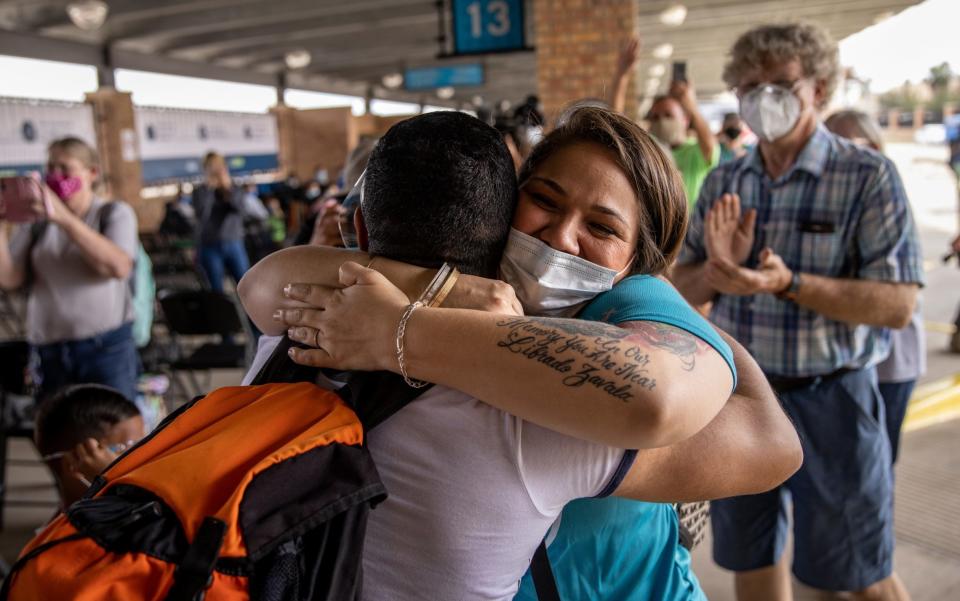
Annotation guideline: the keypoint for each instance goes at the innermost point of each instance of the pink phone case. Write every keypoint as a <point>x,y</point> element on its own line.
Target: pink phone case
<point>16,196</point>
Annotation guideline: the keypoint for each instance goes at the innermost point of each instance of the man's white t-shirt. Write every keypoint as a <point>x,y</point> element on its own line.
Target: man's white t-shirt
<point>472,491</point>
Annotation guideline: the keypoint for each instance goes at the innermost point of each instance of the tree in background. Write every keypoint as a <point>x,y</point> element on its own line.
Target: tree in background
<point>940,87</point>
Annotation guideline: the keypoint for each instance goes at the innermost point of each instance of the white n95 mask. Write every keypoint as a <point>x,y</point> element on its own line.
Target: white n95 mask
<point>551,282</point>
<point>771,111</point>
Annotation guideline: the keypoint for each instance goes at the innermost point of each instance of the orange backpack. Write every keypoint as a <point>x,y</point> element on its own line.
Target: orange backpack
<point>257,492</point>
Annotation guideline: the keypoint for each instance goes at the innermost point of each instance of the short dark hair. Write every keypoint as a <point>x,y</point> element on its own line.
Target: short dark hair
<point>440,187</point>
<point>78,412</point>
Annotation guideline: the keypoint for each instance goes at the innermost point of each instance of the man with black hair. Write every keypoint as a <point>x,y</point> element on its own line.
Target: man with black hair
<point>440,173</point>
<point>80,430</point>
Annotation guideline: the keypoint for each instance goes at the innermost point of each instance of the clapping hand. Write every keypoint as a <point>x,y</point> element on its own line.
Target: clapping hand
<point>727,236</point>
<point>771,276</point>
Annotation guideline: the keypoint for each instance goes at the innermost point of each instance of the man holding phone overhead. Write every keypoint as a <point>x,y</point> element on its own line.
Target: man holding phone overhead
<point>671,117</point>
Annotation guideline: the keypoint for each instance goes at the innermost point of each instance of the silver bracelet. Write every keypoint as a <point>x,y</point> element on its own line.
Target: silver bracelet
<point>401,331</point>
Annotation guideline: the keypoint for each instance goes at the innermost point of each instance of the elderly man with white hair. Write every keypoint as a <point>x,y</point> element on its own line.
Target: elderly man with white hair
<point>807,250</point>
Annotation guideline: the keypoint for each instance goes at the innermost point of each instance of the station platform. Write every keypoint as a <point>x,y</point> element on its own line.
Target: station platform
<point>927,476</point>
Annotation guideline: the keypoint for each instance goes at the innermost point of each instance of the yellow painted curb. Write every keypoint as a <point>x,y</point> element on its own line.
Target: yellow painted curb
<point>940,328</point>
<point>933,403</point>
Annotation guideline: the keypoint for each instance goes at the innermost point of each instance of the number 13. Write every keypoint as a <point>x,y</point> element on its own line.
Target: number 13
<point>500,18</point>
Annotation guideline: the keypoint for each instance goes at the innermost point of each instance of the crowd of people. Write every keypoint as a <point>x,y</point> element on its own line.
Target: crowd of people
<point>622,316</point>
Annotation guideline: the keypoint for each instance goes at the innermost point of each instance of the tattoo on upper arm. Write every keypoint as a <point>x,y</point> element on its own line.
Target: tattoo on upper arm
<point>612,359</point>
<point>584,353</point>
<point>670,338</point>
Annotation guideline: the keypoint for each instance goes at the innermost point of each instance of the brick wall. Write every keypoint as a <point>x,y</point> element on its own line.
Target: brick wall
<point>313,138</point>
<point>577,46</point>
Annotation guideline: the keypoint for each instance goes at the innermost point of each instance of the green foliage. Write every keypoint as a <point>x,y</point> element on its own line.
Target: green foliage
<point>940,79</point>
<point>940,76</point>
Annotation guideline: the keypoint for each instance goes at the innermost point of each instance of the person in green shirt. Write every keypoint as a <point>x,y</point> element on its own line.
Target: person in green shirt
<point>671,118</point>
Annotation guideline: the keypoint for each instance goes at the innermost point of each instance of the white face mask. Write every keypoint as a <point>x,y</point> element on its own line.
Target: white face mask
<point>771,111</point>
<point>551,282</point>
<point>669,130</point>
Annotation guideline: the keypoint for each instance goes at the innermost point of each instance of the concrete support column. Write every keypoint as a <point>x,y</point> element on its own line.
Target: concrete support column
<point>121,170</point>
<point>893,119</point>
<point>578,42</point>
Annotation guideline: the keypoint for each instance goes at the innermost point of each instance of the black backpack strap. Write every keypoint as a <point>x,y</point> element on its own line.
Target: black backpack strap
<point>103,217</point>
<point>374,395</point>
<point>377,395</point>
<point>36,232</point>
<point>195,570</point>
<point>280,368</point>
<point>543,579</point>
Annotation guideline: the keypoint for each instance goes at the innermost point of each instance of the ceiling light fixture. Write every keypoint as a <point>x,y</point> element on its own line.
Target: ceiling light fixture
<point>393,80</point>
<point>88,15</point>
<point>653,84</point>
<point>674,16</point>
<point>663,51</point>
<point>477,100</point>
<point>657,70</point>
<point>297,59</point>
<point>445,93</point>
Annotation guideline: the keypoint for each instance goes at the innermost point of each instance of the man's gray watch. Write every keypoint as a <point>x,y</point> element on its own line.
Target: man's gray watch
<point>790,292</point>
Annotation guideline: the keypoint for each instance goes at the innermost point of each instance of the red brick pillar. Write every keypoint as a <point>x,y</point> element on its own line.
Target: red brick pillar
<point>578,42</point>
<point>119,149</point>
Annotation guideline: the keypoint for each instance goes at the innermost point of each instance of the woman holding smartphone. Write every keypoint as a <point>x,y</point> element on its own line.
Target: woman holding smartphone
<point>74,262</point>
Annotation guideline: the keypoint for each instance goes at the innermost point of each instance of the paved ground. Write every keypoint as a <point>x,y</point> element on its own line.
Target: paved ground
<point>928,476</point>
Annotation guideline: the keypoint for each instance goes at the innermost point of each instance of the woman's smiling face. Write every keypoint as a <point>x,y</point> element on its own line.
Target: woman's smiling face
<point>580,201</point>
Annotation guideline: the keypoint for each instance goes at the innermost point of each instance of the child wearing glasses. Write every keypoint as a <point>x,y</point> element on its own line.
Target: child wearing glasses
<point>80,430</point>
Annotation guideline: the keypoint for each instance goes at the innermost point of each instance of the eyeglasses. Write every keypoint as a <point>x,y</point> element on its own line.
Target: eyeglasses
<point>116,449</point>
<point>788,86</point>
<point>353,201</point>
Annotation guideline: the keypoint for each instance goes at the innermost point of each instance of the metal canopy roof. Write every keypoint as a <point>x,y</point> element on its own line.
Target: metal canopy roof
<point>354,44</point>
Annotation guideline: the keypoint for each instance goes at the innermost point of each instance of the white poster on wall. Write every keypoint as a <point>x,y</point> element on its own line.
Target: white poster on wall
<point>174,141</point>
<point>128,145</point>
<point>28,126</point>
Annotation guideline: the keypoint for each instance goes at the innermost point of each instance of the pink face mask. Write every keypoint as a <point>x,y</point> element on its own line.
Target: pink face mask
<point>63,186</point>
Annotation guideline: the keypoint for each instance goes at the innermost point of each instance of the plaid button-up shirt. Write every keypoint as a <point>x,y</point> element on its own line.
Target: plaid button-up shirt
<point>841,212</point>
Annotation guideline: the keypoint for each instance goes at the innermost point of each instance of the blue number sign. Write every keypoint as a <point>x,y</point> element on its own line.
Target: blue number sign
<point>487,26</point>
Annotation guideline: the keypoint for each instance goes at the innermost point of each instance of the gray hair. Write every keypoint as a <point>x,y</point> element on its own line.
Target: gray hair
<point>866,126</point>
<point>773,44</point>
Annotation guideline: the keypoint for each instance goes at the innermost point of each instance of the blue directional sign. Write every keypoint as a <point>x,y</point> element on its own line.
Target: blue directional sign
<point>430,78</point>
<point>481,26</point>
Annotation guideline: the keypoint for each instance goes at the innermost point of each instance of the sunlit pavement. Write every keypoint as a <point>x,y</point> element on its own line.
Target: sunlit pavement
<point>928,473</point>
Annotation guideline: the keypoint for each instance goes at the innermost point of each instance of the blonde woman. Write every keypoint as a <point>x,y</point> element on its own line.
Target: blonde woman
<point>75,262</point>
